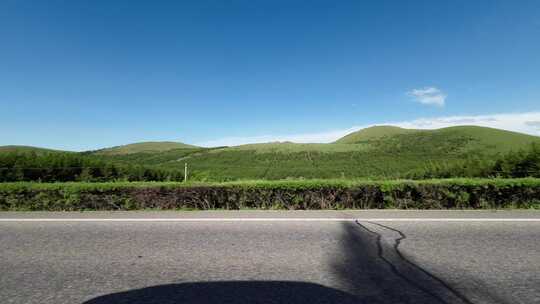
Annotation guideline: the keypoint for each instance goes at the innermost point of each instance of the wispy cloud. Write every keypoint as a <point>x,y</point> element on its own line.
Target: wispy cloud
<point>316,137</point>
<point>428,96</point>
<point>528,122</point>
<point>518,122</point>
<point>534,124</point>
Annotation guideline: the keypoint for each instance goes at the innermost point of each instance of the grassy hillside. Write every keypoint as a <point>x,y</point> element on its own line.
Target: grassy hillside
<point>373,133</point>
<point>289,147</point>
<point>477,137</point>
<point>381,152</point>
<point>149,158</point>
<point>144,147</point>
<point>461,139</point>
<point>27,149</point>
<point>376,152</point>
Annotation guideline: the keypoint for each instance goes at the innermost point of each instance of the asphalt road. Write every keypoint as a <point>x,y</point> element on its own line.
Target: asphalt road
<point>290,257</point>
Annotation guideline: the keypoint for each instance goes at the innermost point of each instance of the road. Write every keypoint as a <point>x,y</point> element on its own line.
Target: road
<point>270,257</point>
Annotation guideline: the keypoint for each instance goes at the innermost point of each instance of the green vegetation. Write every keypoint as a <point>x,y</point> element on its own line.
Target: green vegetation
<point>521,163</point>
<point>26,149</point>
<point>148,159</point>
<point>374,153</point>
<point>292,194</point>
<point>361,170</point>
<point>144,147</point>
<point>387,154</point>
<point>374,133</point>
<point>62,167</point>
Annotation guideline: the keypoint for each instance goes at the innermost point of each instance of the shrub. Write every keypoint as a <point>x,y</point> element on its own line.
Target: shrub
<point>285,194</point>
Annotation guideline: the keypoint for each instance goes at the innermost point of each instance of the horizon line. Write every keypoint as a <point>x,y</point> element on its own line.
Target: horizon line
<point>525,123</point>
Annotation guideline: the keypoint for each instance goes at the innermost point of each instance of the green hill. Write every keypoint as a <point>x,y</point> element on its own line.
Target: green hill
<point>26,149</point>
<point>144,147</point>
<point>498,139</point>
<point>373,133</point>
<point>378,152</point>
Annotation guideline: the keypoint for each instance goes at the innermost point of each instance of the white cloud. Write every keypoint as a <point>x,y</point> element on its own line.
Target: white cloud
<point>519,122</point>
<point>534,124</point>
<point>428,96</point>
<point>317,137</point>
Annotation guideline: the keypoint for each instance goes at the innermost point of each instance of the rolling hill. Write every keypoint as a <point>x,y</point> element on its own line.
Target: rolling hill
<point>144,147</point>
<point>373,133</point>
<point>475,136</point>
<point>26,149</point>
<point>376,152</point>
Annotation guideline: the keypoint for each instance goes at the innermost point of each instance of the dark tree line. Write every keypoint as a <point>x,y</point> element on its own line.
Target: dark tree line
<point>523,163</point>
<point>63,167</point>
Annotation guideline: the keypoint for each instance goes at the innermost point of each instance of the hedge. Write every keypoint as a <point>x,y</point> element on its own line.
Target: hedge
<point>287,194</point>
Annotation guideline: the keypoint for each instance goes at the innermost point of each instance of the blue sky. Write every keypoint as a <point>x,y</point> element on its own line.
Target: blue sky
<point>88,74</point>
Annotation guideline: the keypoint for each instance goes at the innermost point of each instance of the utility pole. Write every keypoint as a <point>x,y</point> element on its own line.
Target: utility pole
<point>185,172</point>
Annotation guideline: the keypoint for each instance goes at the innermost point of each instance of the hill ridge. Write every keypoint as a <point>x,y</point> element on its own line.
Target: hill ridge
<point>378,132</point>
<point>144,147</point>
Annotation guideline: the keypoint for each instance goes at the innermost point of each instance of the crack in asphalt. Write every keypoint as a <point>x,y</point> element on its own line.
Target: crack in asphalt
<point>395,270</point>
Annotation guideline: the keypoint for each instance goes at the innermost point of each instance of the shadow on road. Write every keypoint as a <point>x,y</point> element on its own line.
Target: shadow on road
<point>376,272</point>
<point>230,292</point>
<point>370,270</point>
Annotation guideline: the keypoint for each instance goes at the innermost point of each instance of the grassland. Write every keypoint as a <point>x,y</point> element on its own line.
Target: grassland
<point>379,152</point>
<point>27,149</point>
<point>362,170</point>
<point>374,133</point>
<point>382,152</point>
<point>144,147</point>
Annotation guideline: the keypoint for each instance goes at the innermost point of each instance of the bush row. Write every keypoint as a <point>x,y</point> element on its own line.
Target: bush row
<point>333,194</point>
<point>69,166</point>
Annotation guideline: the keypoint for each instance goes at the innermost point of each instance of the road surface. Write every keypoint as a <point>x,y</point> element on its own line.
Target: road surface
<point>270,257</point>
